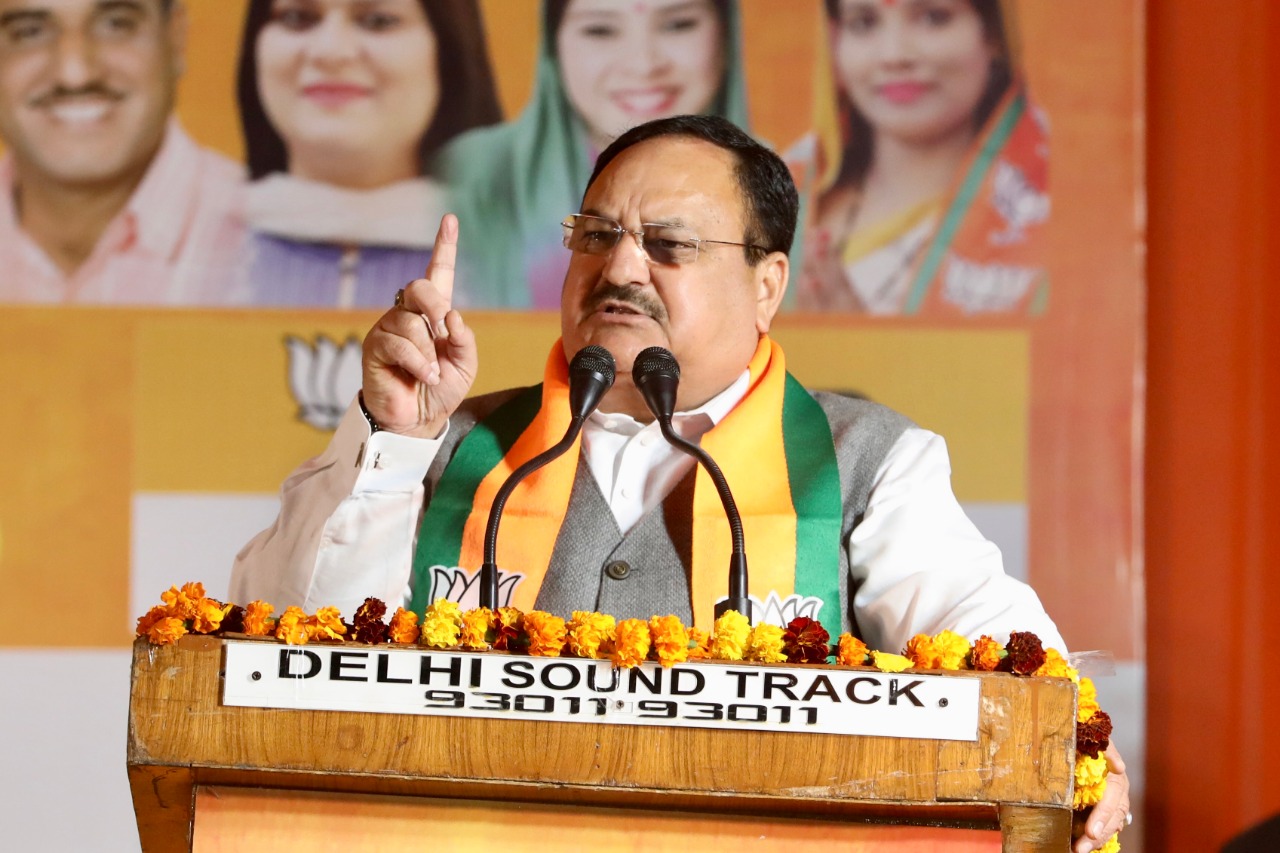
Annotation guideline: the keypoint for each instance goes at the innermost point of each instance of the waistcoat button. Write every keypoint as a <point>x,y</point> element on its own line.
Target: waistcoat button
<point>618,570</point>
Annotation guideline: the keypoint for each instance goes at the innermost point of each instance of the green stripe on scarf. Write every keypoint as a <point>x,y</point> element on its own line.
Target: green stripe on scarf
<point>965,196</point>
<point>440,534</point>
<point>815,493</point>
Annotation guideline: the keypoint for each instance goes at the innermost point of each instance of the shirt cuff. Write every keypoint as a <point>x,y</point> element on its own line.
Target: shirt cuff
<point>386,461</point>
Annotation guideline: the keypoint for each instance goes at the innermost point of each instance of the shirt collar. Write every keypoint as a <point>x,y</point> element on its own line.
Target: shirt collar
<point>713,411</point>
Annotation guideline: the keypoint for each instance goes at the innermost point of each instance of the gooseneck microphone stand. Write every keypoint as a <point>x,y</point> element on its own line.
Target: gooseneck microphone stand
<point>657,376</point>
<point>591,375</point>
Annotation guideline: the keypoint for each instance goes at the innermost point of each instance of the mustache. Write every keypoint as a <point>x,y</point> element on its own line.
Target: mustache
<point>63,93</point>
<point>632,296</point>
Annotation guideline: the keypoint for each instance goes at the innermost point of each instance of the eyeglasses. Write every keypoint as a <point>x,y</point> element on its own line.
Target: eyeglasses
<point>671,245</point>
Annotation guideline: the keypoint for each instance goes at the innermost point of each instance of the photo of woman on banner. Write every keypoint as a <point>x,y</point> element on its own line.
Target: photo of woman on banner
<point>343,105</point>
<point>603,67</point>
<point>926,175</point>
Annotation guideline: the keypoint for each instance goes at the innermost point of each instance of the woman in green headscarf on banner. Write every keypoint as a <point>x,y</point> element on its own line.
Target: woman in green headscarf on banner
<point>604,66</point>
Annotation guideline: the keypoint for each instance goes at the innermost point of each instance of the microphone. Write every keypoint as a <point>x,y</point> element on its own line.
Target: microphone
<point>591,375</point>
<point>657,377</point>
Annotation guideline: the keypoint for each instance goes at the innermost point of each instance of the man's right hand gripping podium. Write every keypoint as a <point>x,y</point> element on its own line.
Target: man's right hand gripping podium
<point>681,243</point>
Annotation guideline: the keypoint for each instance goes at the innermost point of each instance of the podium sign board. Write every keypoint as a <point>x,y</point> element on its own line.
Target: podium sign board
<point>1016,775</point>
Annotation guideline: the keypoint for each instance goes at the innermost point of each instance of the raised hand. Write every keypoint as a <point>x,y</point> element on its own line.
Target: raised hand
<point>420,359</point>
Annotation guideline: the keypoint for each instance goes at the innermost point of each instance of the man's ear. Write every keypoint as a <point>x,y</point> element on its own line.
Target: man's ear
<point>771,285</point>
<point>175,24</point>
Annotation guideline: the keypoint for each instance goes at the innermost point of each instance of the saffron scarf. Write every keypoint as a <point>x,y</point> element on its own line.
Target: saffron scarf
<point>775,449</point>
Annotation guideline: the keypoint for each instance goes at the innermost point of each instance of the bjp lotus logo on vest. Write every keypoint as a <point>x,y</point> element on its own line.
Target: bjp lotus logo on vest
<point>457,584</point>
<point>324,377</point>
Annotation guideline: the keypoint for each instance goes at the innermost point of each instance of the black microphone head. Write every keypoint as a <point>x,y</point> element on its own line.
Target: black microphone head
<point>656,375</point>
<point>591,375</point>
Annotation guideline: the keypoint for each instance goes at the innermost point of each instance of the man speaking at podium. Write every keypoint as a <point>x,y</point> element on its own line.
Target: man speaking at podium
<point>682,243</point>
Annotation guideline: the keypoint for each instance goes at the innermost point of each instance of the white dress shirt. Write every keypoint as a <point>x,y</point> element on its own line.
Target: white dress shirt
<point>349,519</point>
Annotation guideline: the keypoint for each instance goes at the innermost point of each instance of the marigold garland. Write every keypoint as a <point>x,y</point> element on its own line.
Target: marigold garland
<point>627,643</point>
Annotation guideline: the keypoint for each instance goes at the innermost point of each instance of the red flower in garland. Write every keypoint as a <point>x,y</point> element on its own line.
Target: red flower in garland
<point>507,630</point>
<point>367,624</point>
<point>1093,735</point>
<point>806,641</point>
<point>1026,654</point>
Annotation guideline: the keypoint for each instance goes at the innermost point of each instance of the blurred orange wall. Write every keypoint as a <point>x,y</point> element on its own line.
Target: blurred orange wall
<point>1213,454</point>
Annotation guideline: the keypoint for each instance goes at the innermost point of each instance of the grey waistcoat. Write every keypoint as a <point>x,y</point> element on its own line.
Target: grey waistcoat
<point>646,571</point>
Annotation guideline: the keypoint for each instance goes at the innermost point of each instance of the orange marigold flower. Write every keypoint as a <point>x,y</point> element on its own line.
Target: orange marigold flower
<point>476,625</point>
<point>631,641</point>
<point>507,630</point>
<point>1087,704</point>
<point>591,634</point>
<point>729,636</point>
<point>699,644</point>
<point>208,616</point>
<point>952,649</point>
<point>921,652</point>
<point>1091,780</point>
<point>1056,666</point>
<point>325,625</point>
<point>166,631</point>
<point>547,633</point>
<point>182,602</point>
<point>886,662</point>
<point>850,651</point>
<point>404,626</point>
<point>986,654</point>
<point>766,644</point>
<point>670,639</point>
<point>257,619</point>
<point>151,617</point>
<point>292,626</point>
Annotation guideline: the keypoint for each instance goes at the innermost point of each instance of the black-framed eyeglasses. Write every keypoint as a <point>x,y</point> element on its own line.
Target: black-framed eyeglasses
<point>671,245</point>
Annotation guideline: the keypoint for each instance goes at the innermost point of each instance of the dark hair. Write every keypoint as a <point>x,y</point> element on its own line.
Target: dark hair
<point>856,158</point>
<point>468,97</point>
<point>553,14</point>
<point>768,193</point>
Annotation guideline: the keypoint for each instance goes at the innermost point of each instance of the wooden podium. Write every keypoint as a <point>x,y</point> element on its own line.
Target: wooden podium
<point>186,748</point>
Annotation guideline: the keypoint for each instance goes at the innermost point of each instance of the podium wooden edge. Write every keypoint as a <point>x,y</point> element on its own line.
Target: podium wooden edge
<point>164,794</point>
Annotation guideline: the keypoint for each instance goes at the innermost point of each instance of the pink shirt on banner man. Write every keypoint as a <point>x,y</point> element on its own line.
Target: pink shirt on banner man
<point>177,241</point>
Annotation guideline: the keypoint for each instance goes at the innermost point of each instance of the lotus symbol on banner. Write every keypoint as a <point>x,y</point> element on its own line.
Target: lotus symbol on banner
<point>323,378</point>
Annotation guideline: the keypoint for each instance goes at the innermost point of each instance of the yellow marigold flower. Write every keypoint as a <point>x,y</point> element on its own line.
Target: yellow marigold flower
<point>1055,666</point>
<point>445,609</point>
<point>952,650</point>
<point>631,642</point>
<point>443,625</point>
<point>208,615</point>
<point>404,626</point>
<point>182,602</point>
<point>166,631</point>
<point>326,624</point>
<point>764,644</point>
<point>292,626</point>
<point>851,651</point>
<point>699,644</point>
<point>476,625</point>
<point>886,662</point>
<point>257,618</point>
<point>1112,845</point>
<point>590,634</point>
<point>986,654</point>
<point>1091,780</point>
<point>729,637</point>
<point>547,633</point>
<point>670,639</point>
<point>1087,705</point>
<point>921,651</point>
<point>151,617</point>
